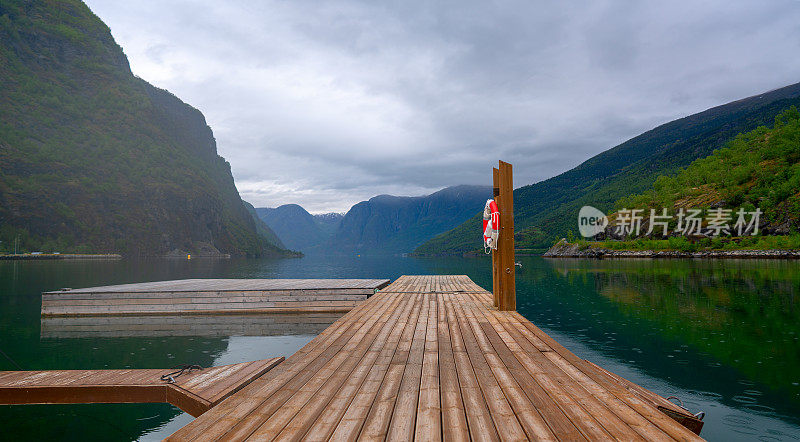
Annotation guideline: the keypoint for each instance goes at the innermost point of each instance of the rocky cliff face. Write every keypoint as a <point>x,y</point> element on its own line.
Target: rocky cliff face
<point>97,160</point>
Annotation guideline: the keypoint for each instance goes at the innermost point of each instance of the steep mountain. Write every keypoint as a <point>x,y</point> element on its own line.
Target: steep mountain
<point>296,228</point>
<point>546,210</point>
<point>94,159</point>
<point>396,224</point>
<point>329,222</point>
<point>262,228</point>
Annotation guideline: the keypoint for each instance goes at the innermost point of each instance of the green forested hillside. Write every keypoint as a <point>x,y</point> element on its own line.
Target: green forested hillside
<point>546,210</point>
<point>94,159</point>
<point>759,169</point>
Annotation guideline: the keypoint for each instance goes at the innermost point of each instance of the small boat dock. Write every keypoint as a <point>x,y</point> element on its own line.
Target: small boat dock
<point>212,296</point>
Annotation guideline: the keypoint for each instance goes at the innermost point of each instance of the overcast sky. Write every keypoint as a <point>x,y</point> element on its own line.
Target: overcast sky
<point>326,104</point>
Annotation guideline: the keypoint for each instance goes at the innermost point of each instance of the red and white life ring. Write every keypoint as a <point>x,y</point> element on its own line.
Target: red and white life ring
<point>491,225</point>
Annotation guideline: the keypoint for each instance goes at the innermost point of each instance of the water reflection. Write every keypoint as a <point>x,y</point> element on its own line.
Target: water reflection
<point>723,334</point>
<point>744,314</point>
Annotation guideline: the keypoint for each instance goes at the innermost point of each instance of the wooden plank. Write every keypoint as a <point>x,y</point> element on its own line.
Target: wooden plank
<point>648,421</point>
<point>187,401</point>
<point>454,418</point>
<point>287,294</point>
<point>345,413</point>
<point>670,409</point>
<point>578,401</point>
<point>378,420</point>
<point>267,324</point>
<point>238,309</point>
<point>563,414</point>
<point>330,381</point>
<point>343,383</point>
<point>404,414</point>
<point>500,410</point>
<point>375,391</point>
<point>123,298</point>
<point>216,394</point>
<point>429,408</point>
<point>231,284</point>
<point>511,411</point>
<point>188,304</point>
<point>479,421</point>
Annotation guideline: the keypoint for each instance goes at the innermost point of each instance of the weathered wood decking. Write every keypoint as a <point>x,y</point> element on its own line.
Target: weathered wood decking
<point>194,392</point>
<point>212,296</point>
<point>116,326</point>
<point>430,358</point>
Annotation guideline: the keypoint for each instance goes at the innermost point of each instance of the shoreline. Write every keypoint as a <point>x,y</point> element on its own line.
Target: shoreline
<point>567,250</point>
<point>45,256</point>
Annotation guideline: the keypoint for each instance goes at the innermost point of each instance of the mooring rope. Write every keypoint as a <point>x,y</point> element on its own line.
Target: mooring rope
<point>181,369</point>
<point>679,400</point>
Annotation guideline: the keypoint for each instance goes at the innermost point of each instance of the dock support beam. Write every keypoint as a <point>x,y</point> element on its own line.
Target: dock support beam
<point>503,263</point>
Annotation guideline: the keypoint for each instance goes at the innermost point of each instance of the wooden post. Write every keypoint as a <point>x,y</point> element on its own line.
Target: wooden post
<point>495,254</point>
<point>507,269</point>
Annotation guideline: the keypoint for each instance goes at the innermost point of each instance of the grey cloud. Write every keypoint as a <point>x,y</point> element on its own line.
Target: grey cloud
<point>328,103</point>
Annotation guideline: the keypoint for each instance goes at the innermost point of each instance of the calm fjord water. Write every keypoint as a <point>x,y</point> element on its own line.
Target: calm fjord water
<point>720,335</point>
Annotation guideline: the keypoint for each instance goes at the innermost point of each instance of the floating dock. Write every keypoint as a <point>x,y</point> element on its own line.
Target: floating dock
<point>429,357</point>
<point>212,296</point>
<point>194,392</point>
<point>127,326</point>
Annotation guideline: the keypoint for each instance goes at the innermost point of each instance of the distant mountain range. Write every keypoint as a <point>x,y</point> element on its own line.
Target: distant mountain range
<point>383,224</point>
<point>94,159</point>
<point>298,229</point>
<point>545,211</point>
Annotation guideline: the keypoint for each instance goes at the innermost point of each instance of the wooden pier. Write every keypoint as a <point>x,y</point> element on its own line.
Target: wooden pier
<point>194,392</point>
<point>212,296</point>
<point>431,358</point>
